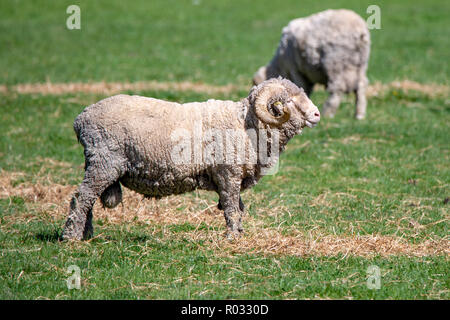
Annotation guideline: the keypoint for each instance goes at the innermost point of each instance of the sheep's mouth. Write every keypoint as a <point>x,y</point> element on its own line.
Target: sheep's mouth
<point>311,124</point>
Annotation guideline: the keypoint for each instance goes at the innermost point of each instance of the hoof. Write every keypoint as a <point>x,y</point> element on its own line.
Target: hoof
<point>70,235</point>
<point>233,235</point>
<point>88,234</point>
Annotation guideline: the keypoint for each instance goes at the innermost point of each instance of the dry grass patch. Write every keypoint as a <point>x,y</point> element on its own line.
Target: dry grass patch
<point>431,89</point>
<point>109,88</point>
<point>53,200</point>
<point>355,139</point>
<point>269,241</point>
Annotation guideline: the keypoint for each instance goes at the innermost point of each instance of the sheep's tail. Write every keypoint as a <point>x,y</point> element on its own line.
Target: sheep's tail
<point>78,125</point>
<point>112,196</point>
<point>364,47</point>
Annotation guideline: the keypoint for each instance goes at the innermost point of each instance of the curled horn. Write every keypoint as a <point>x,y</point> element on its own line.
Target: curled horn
<point>262,103</point>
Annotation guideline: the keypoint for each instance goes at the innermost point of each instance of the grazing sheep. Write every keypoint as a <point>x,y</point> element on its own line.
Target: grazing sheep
<point>331,48</point>
<point>158,148</point>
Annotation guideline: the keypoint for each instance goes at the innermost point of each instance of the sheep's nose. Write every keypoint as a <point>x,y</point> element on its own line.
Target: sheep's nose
<point>315,114</point>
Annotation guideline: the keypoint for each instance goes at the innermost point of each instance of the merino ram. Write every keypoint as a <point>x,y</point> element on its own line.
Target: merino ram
<point>331,48</point>
<point>159,148</point>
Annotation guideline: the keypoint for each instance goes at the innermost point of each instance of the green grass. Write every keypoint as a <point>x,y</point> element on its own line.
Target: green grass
<point>394,146</point>
<point>143,264</point>
<point>385,175</point>
<point>214,42</point>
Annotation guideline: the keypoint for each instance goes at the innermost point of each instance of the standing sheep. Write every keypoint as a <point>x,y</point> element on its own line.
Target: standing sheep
<point>331,48</point>
<point>158,148</point>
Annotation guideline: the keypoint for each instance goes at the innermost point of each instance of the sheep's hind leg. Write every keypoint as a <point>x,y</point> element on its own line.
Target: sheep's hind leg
<point>79,223</point>
<point>361,101</point>
<point>331,105</point>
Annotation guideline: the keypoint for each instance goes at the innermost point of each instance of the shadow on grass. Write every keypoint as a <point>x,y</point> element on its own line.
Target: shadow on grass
<point>123,236</point>
<point>49,236</point>
<point>55,236</point>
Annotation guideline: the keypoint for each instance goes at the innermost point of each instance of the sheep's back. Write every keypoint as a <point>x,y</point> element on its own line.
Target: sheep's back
<point>330,42</point>
<point>143,132</point>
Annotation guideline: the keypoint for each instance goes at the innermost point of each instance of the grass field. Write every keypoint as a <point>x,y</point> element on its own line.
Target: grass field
<point>349,194</point>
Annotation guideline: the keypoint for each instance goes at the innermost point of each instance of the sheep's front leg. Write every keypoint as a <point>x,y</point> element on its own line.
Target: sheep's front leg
<point>331,105</point>
<point>229,200</point>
